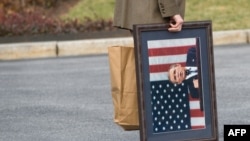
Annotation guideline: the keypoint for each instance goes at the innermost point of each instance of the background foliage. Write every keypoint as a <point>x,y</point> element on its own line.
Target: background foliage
<point>28,17</point>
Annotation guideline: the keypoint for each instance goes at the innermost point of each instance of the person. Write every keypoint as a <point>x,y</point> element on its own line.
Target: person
<point>178,74</point>
<point>130,12</point>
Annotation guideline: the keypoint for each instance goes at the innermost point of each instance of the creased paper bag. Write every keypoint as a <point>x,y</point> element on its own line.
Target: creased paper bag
<point>123,86</point>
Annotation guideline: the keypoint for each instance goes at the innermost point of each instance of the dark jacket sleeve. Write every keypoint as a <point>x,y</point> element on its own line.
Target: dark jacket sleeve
<point>191,57</point>
<point>194,92</point>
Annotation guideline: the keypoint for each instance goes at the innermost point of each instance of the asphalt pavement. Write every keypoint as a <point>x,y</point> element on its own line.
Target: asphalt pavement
<point>69,98</point>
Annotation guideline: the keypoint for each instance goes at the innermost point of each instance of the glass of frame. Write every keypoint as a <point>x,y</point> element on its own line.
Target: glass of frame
<point>176,82</point>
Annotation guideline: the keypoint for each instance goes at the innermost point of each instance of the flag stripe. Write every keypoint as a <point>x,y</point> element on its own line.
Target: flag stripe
<point>197,116</point>
<point>168,51</point>
<point>196,113</point>
<point>167,59</point>
<point>159,76</point>
<point>197,121</point>
<point>198,127</point>
<point>193,99</point>
<point>194,104</point>
<point>171,43</point>
<point>161,68</point>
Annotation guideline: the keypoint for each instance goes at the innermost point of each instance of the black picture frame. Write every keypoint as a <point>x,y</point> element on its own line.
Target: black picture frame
<point>169,110</point>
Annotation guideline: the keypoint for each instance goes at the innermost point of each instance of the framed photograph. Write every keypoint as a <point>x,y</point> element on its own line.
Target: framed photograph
<point>176,82</point>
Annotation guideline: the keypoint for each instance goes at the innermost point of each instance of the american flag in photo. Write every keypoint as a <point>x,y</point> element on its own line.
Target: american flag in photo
<point>173,109</point>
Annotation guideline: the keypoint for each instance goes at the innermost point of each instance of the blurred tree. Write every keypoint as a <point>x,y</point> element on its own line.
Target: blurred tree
<point>22,3</point>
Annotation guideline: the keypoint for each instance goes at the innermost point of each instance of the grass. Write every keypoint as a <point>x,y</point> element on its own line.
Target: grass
<point>93,9</point>
<point>225,14</point>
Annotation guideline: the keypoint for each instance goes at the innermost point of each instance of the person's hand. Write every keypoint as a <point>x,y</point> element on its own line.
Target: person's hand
<point>176,22</point>
<point>196,83</point>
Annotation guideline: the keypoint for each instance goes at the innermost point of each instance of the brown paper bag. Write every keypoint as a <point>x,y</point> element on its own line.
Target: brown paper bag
<point>123,86</point>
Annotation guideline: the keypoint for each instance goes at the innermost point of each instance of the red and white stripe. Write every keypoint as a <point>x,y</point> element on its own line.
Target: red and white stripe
<point>197,116</point>
<point>163,53</point>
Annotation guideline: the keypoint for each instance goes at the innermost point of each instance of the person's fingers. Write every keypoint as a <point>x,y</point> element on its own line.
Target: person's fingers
<point>175,27</point>
<point>176,23</point>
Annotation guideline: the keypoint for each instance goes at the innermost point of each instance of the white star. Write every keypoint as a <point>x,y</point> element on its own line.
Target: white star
<point>167,122</point>
<point>162,107</point>
<point>173,111</point>
<point>180,100</point>
<point>159,123</point>
<point>158,102</point>
<point>169,107</point>
<point>172,100</point>
<point>161,97</point>
<point>169,96</point>
<point>177,106</point>
<point>181,110</point>
<point>174,121</point>
<point>184,95</point>
<point>171,127</point>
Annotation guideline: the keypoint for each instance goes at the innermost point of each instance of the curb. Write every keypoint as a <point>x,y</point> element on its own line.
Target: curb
<point>231,37</point>
<point>93,46</point>
<point>18,51</point>
<point>30,50</point>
